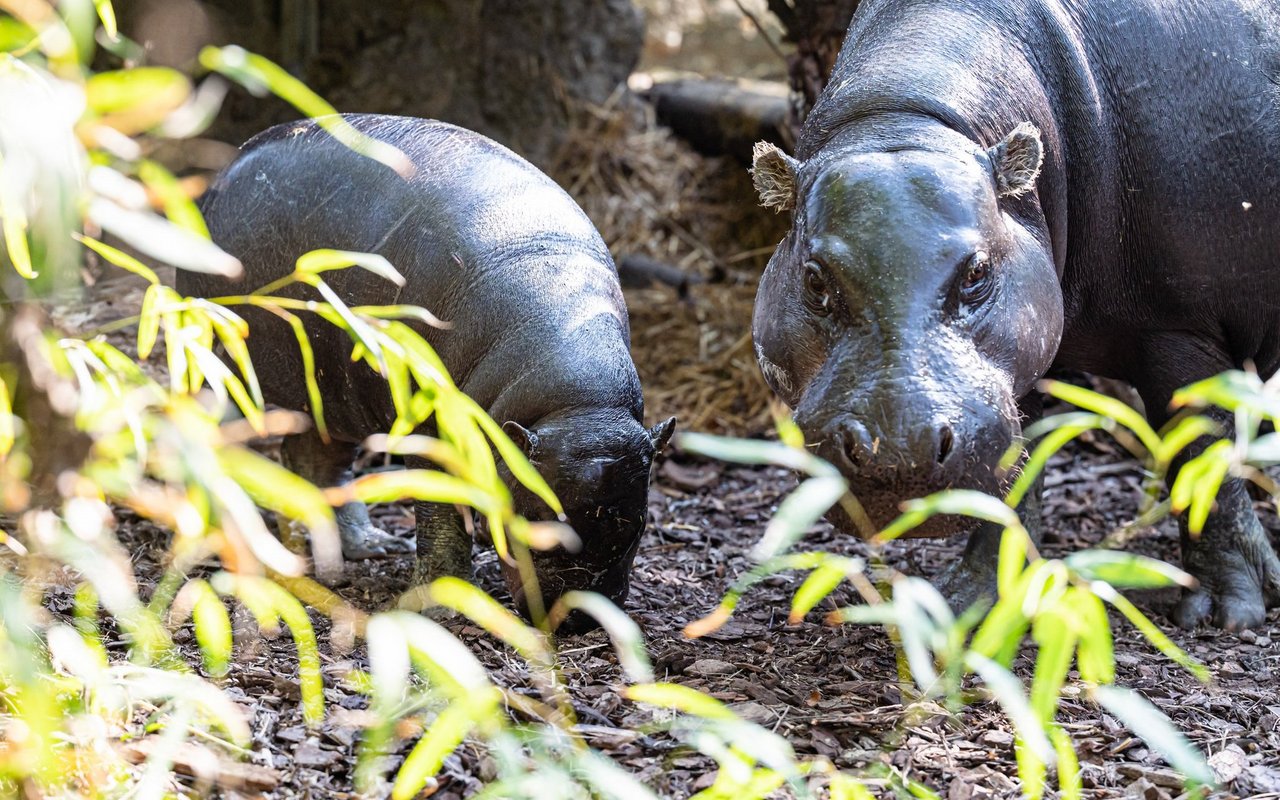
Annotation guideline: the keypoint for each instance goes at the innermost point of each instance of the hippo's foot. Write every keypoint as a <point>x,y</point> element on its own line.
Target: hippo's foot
<point>361,539</point>
<point>1239,573</point>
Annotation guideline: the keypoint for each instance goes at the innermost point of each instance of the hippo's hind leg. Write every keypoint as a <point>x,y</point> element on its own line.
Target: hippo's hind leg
<point>444,545</point>
<point>1233,560</point>
<point>330,465</point>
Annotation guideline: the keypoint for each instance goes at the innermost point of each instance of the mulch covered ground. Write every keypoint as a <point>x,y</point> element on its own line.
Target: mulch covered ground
<point>830,690</point>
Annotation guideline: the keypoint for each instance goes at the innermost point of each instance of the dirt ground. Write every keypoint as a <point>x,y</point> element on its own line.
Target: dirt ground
<point>829,690</point>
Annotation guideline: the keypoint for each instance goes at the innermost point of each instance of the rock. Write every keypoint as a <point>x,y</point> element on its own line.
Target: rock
<point>310,754</point>
<point>755,712</point>
<point>704,667</point>
<point>295,733</point>
<point>1228,763</point>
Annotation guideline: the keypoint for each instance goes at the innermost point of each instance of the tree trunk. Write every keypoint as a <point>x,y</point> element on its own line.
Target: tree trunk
<point>817,29</point>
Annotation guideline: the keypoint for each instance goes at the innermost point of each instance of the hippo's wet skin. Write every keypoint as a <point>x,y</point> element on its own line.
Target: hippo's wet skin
<point>538,336</point>
<point>991,188</point>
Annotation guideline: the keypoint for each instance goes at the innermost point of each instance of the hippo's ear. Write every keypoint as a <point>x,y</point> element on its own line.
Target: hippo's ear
<point>774,174</point>
<point>1016,161</point>
<point>524,438</point>
<point>660,434</point>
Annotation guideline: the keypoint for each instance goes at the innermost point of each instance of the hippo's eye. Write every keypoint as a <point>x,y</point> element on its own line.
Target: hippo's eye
<point>816,295</point>
<point>976,280</point>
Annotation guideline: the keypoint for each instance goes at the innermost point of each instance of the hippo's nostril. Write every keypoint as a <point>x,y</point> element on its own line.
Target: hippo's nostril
<point>857,445</point>
<point>946,440</point>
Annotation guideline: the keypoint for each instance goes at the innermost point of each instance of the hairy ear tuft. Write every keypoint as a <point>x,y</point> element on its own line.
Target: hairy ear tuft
<point>774,175</point>
<point>660,434</point>
<point>1016,161</point>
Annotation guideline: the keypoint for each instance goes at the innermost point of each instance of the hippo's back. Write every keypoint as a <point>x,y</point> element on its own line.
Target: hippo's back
<point>483,239</point>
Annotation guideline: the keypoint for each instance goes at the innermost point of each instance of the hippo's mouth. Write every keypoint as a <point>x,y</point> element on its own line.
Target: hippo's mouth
<point>883,504</point>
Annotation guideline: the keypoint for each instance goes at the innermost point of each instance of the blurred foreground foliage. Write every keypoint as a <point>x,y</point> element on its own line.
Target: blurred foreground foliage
<point>85,432</point>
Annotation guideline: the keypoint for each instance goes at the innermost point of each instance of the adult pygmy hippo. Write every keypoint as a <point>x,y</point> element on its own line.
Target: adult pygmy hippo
<point>539,334</point>
<point>991,188</point>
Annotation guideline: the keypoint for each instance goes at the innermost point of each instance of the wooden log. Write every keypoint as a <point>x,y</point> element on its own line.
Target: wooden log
<point>721,117</point>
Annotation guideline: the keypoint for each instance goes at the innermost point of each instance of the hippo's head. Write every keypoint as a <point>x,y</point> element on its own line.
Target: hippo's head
<point>597,463</point>
<point>911,306</point>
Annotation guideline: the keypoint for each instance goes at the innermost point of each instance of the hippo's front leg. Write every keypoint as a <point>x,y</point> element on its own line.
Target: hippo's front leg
<point>973,577</point>
<point>330,465</point>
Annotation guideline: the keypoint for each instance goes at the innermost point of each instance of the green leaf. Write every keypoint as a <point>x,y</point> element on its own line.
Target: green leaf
<point>355,327</point>
<point>1070,783</point>
<point>1147,722</point>
<point>680,698</point>
<point>178,205</point>
<point>1014,544</point>
<point>483,610</point>
<point>1109,407</point>
<point>514,458</point>
<point>1096,654</point>
<point>157,237</point>
<point>820,583</point>
<point>754,451</point>
<point>1007,691</point>
<point>419,484</point>
<point>1217,461</point>
<point>1032,771</point>
<point>1126,570</point>
<point>324,260</point>
<point>962,502</point>
<point>446,661</point>
<point>136,99</point>
<point>274,487</point>
<point>1001,632</point>
<point>314,398</point>
<point>108,16</point>
<point>1056,637</point>
<point>1066,427</point>
<point>628,641</point>
<point>797,513</point>
<point>608,778</point>
<point>258,74</point>
<point>1183,434</point>
<point>1231,390</point>
<point>212,624</point>
<point>1149,630</point>
<point>119,258</point>
<point>443,736</point>
<point>13,218</point>
<point>270,603</point>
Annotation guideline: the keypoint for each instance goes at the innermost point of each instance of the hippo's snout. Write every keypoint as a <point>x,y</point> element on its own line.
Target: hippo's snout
<point>894,460</point>
<point>935,448</point>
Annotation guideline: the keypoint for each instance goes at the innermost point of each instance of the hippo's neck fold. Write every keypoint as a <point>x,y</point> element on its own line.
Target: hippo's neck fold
<point>976,67</point>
